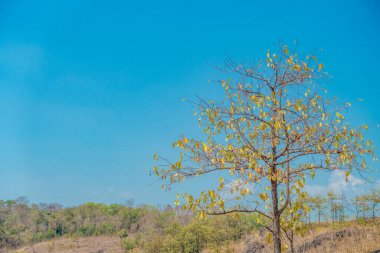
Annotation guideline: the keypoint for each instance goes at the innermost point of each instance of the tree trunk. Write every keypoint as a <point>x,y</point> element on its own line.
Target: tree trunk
<point>276,213</point>
<point>276,219</point>
<point>373,212</point>
<point>292,242</point>
<point>276,236</point>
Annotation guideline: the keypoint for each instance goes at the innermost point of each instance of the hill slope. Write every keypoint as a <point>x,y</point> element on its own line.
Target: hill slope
<point>352,239</point>
<point>100,244</point>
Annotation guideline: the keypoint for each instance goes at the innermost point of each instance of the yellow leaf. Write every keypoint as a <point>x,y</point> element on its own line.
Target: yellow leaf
<point>286,50</point>
<point>211,194</point>
<point>340,116</point>
<point>263,196</point>
<point>222,204</point>
<point>297,206</point>
<point>320,66</point>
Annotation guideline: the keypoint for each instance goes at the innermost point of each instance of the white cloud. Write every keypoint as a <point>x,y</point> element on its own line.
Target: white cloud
<point>337,183</point>
<point>315,189</point>
<point>235,186</point>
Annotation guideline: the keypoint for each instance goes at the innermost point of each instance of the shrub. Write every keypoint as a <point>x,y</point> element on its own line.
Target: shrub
<point>128,244</point>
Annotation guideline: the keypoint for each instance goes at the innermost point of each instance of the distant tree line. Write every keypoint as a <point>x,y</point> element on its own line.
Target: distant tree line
<point>22,223</point>
<point>148,228</point>
<point>336,207</point>
<point>154,229</point>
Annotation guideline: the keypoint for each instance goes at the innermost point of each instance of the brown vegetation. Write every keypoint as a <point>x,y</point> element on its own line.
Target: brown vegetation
<point>349,237</point>
<point>101,228</point>
<point>99,244</point>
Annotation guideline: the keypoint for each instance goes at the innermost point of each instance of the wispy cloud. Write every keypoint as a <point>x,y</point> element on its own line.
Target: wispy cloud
<point>232,189</point>
<point>337,183</point>
<point>315,189</point>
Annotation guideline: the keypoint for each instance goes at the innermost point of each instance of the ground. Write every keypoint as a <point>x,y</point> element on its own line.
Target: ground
<point>328,238</point>
<point>100,244</point>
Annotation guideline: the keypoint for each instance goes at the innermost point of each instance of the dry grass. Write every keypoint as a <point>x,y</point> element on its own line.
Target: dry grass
<point>357,239</point>
<point>100,244</point>
<point>348,237</point>
<point>360,238</point>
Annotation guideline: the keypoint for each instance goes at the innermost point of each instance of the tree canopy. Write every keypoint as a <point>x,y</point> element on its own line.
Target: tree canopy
<point>275,128</point>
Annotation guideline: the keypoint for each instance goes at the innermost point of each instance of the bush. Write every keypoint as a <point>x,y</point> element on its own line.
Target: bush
<point>128,244</point>
<point>123,233</point>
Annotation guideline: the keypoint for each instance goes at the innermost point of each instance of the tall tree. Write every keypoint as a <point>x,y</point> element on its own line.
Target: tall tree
<point>318,203</point>
<point>372,199</point>
<point>273,129</point>
<point>361,206</point>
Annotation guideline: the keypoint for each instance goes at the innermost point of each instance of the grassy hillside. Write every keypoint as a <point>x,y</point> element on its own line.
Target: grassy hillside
<point>145,227</point>
<point>348,237</point>
<point>99,244</point>
<point>97,228</point>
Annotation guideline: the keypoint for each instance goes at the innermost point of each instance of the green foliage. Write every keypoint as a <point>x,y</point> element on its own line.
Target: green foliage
<point>197,235</point>
<point>148,229</point>
<point>128,244</point>
<point>22,224</point>
<point>123,233</point>
<point>145,227</point>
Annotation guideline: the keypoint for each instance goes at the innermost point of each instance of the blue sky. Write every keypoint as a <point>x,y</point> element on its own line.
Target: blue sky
<point>91,89</point>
